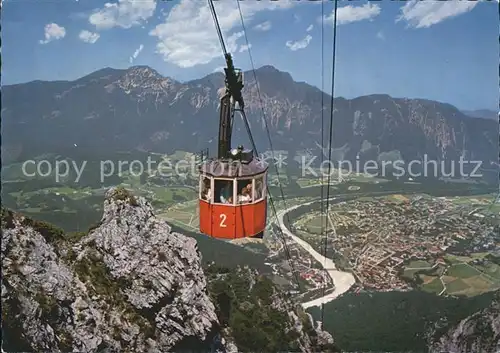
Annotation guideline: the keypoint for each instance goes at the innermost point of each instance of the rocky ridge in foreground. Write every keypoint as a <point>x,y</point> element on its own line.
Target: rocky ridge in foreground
<point>129,284</point>
<point>478,333</point>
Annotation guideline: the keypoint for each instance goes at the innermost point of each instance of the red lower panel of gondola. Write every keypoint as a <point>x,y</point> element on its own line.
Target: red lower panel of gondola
<point>233,222</point>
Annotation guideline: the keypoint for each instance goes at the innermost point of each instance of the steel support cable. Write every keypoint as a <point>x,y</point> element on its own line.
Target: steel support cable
<point>330,137</point>
<point>322,179</point>
<point>285,246</point>
<point>270,143</point>
<point>262,106</point>
<point>217,27</point>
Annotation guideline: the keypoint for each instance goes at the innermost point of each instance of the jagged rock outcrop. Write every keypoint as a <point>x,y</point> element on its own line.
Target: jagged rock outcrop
<point>130,285</point>
<point>478,333</point>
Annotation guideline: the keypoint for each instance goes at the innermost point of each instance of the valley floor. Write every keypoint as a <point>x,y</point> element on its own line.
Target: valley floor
<point>374,231</point>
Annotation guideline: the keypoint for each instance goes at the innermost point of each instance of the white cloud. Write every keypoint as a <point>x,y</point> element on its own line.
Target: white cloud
<point>245,47</point>
<point>300,44</point>
<point>188,37</point>
<point>124,13</point>
<point>380,35</point>
<point>89,37</point>
<point>427,13</point>
<point>136,53</point>
<point>53,32</point>
<point>264,26</point>
<point>309,29</point>
<point>348,14</point>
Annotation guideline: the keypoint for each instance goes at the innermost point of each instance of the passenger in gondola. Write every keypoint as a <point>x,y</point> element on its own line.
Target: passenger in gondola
<point>226,194</point>
<point>246,194</point>
<point>249,190</point>
<point>244,197</point>
<point>207,191</point>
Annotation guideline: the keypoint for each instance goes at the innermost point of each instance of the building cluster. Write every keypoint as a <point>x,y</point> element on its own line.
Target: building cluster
<point>486,242</point>
<point>378,237</point>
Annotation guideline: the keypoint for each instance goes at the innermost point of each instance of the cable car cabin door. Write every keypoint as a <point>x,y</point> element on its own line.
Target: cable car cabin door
<point>223,221</point>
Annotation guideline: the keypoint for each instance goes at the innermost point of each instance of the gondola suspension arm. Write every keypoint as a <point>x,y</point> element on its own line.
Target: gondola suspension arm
<point>232,94</point>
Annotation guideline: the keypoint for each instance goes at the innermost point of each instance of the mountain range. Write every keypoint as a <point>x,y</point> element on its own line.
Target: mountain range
<point>138,109</point>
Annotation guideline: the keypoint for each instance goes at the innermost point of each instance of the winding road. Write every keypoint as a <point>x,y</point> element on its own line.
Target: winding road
<point>343,281</point>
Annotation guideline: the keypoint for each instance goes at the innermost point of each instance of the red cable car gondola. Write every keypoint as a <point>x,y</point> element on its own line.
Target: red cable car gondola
<point>232,197</point>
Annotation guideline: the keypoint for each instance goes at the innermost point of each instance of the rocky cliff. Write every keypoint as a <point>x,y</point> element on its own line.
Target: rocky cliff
<point>478,333</point>
<point>261,318</point>
<point>128,285</point>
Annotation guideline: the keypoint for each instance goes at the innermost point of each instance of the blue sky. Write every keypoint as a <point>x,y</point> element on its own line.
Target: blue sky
<point>446,51</point>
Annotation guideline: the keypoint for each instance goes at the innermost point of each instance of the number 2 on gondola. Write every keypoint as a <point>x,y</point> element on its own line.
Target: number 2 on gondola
<point>223,220</point>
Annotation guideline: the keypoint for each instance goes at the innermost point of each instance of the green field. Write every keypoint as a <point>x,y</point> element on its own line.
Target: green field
<point>492,270</point>
<point>316,224</point>
<point>460,278</point>
<point>414,267</point>
<point>483,204</point>
<point>419,264</point>
<point>495,209</point>
<point>308,182</point>
<point>361,178</point>
<point>485,199</point>
<point>61,191</point>
<point>335,179</point>
<point>462,271</point>
<point>397,198</point>
<point>455,286</point>
<point>434,286</point>
<point>478,285</point>
<point>313,223</point>
<point>168,195</point>
<point>180,216</point>
<point>409,274</point>
<point>464,259</point>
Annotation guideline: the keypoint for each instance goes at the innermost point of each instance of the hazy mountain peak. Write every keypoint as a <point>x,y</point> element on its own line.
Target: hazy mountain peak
<point>215,79</point>
<point>146,80</point>
<point>107,73</point>
<point>268,68</point>
<point>271,72</point>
